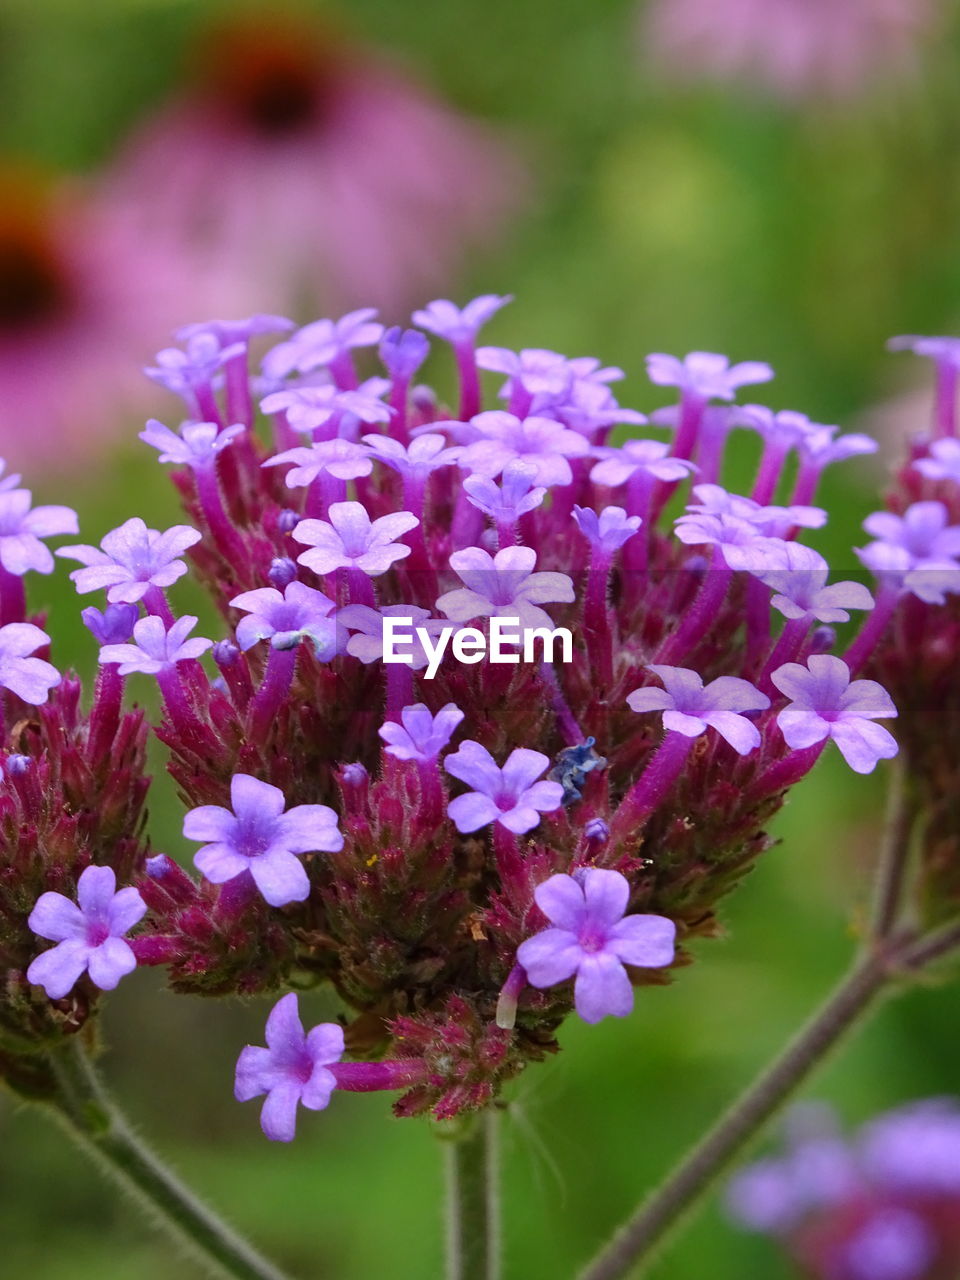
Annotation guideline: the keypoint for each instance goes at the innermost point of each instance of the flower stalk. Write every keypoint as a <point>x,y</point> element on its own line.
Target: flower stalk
<point>473,1226</point>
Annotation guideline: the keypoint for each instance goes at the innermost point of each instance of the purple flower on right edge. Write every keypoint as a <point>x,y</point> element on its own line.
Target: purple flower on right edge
<point>824,702</point>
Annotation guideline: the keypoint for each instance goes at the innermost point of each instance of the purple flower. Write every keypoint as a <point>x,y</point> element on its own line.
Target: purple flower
<point>342,459</point>
<point>504,586</point>
<point>915,1149</point>
<point>229,332</point>
<point>21,529</point>
<point>800,584</point>
<point>350,540</point>
<point>309,408</point>
<point>446,320</point>
<point>403,351</point>
<point>542,443</point>
<point>893,1243</point>
<point>588,406</point>
<point>291,1070</point>
<point>690,707</point>
<point>823,446</point>
<point>322,343</point>
<point>422,735</point>
<point>285,619</point>
<point>517,493</point>
<point>540,373</point>
<point>608,530</point>
<point>785,428</point>
<point>257,836</point>
<point>511,796</point>
<point>114,625</point>
<point>184,372</point>
<point>825,703</point>
<point>417,459</point>
<point>89,937</point>
<point>29,678</point>
<point>593,938</point>
<point>713,500</point>
<point>742,544</point>
<point>196,446</point>
<point>943,350</point>
<point>922,531</point>
<point>648,456</point>
<point>134,559</point>
<point>706,375</point>
<point>943,462</point>
<point>154,648</point>
<point>367,642</point>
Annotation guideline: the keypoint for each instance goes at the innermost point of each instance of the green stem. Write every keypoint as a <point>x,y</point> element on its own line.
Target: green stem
<point>473,1227</point>
<point>94,1122</point>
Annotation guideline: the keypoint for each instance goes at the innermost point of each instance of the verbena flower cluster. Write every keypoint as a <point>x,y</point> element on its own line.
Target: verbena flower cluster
<point>465,854</point>
<point>884,1205</point>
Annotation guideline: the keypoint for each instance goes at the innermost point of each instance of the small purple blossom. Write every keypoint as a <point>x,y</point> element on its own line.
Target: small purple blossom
<point>922,531</point>
<point>517,493</point>
<point>784,428</point>
<point>22,527</point>
<point>824,703</point>
<point>741,543</point>
<point>690,707</point>
<point>350,540</point>
<point>184,372</point>
<point>539,372</point>
<point>197,444</point>
<point>259,837</point>
<point>457,326</point>
<point>651,457</point>
<point>342,459</point>
<point>291,1070</point>
<point>915,1149</point>
<point>403,351</point>
<point>154,648</point>
<point>943,350</point>
<point>322,343</point>
<point>114,625</point>
<point>31,679</point>
<point>510,795</point>
<point>801,591</point>
<point>593,938</point>
<point>823,446</point>
<point>229,332</point>
<point>607,530</point>
<point>542,443</point>
<point>714,500</point>
<point>311,407</point>
<point>503,585</point>
<point>132,560</point>
<point>421,735</point>
<point>417,459</point>
<point>943,461</point>
<point>705,374</point>
<point>90,937</point>
<point>299,613</point>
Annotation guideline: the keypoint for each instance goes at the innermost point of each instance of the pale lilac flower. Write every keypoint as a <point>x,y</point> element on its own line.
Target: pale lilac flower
<point>22,527</point>
<point>651,457</point>
<point>608,530</point>
<point>421,735</point>
<point>915,1149</point>
<point>90,937</point>
<point>923,532</point>
<point>350,540</point>
<point>690,707</point>
<point>822,446</point>
<point>114,625</point>
<point>511,795</point>
<point>942,350</point>
<point>132,560</point>
<point>929,580</point>
<point>229,332</point>
<point>403,351</point>
<point>503,585</point>
<point>196,445</point>
<point>154,648</point>
<point>706,375</point>
<point>943,461</point>
<point>588,407</point>
<point>416,460</point>
<point>592,937</point>
<point>517,493</point>
<point>457,326</point>
<point>801,591</point>
<point>291,1070</point>
<point>184,372</point>
<point>713,499</point>
<point>366,623</point>
<point>741,543</point>
<point>542,443</point>
<point>29,678</point>
<point>825,703</point>
<point>285,619</point>
<point>256,835</point>
<point>308,408</point>
<point>322,343</point>
<point>537,371</point>
<point>342,459</point>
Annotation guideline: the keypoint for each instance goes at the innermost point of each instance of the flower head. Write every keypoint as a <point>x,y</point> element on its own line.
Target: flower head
<point>29,678</point>
<point>133,559</point>
<point>510,795</point>
<point>350,540</point>
<point>154,648</point>
<point>421,735</point>
<point>456,325</point>
<point>706,375</point>
<point>22,527</point>
<point>824,703</point>
<point>286,618</point>
<point>89,936</point>
<point>690,707</point>
<point>503,585</point>
<point>256,835</point>
<point>292,1069</point>
<point>593,938</point>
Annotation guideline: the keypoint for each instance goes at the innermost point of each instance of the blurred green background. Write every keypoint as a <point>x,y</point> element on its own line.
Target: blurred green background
<point>662,218</point>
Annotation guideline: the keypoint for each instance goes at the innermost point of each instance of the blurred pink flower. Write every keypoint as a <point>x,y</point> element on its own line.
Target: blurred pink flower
<point>315,173</point>
<point>83,302</point>
<point>792,47</point>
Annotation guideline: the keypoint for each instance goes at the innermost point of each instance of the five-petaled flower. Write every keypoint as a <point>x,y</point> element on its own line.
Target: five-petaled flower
<point>351,540</point>
<point>455,324</point>
<point>132,560</point>
<point>89,936</point>
<point>421,735</point>
<point>287,618</point>
<point>504,586</point>
<point>510,795</point>
<point>22,527</point>
<point>322,343</point>
<point>800,586</point>
<point>29,678</point>
<point>256,835</point>
<point>291,1070</point>
<point>824,702</point>
<point>154,648</point>
<point>608,529</point>
<point>592,937</point>
<point>689,707</point>
<point>705,374</point>
<point>542,443</point>
<point>196,445</point>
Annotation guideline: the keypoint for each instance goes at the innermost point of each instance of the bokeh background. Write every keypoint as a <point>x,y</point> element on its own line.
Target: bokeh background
<point>633,196</point>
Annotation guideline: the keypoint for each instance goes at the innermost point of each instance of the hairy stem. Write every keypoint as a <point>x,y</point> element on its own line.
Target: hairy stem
<point>92,1119</point>
<point>473,1227</point>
